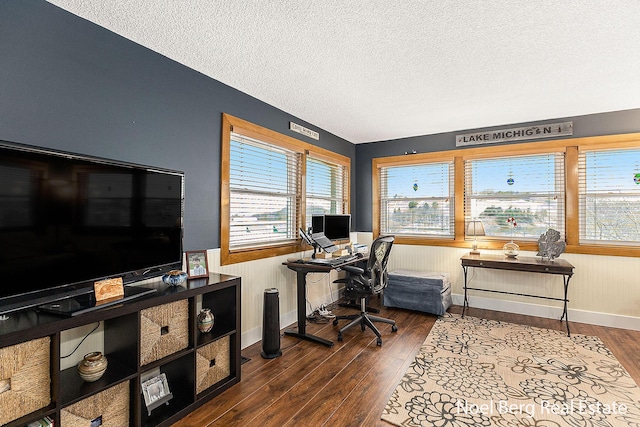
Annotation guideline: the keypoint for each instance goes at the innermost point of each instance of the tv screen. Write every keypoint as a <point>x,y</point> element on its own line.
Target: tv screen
<point>337,227</point>
<point>68,220</point>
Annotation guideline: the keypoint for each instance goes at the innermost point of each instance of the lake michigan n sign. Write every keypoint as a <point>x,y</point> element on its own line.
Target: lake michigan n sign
<point>515,134</point>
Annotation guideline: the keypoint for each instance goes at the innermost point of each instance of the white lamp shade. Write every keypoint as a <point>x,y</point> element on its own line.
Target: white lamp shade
<point>475,228</point>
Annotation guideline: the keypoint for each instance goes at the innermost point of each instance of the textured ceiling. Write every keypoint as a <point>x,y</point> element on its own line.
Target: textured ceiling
<point>372,70</point>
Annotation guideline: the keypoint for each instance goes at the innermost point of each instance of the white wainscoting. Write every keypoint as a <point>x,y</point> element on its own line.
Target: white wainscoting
<point>604,290</point>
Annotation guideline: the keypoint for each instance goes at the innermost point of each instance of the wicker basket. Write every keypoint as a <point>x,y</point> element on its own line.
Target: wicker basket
<point>112,405</point>
<point>25,378</point>
<point>163,330</point>
<point>212,363</point>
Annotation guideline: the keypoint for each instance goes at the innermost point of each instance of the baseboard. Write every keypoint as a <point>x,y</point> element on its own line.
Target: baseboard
<point>579,316</point>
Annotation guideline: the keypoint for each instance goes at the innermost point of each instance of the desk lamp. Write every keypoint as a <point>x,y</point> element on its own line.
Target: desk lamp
<point>475,228</point>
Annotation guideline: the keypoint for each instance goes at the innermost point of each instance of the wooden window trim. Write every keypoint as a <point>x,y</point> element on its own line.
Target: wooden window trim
<point>571,147</point>
<point>243,127</point>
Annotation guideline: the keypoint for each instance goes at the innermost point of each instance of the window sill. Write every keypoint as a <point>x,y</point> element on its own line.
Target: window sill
<point>626,251</point>
<point>244,255</point>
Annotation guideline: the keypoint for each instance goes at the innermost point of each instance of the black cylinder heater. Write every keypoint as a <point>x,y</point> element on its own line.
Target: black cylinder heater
<point>271,324</point>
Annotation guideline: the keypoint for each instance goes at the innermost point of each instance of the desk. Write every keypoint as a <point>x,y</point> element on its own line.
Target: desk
<point>527,264</point>
<point>301,269</point>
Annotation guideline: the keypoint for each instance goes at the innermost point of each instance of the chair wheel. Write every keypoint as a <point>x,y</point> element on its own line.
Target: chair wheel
<point>379,342</point>
<point>362,327</point>
<point>335,322</point>
<point>340,337</point>
<point>394,328</point>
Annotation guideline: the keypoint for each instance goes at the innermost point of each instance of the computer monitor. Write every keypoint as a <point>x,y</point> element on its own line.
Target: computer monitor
<point>337,226</point>
<point>317,224</point>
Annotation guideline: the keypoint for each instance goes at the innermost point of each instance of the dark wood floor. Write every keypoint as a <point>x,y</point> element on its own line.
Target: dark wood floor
<point>350,383</point>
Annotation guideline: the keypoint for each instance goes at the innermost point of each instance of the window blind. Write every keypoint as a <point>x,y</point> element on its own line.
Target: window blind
<point>417,200</point>
<point>264,184</point>
<point>326,188</point>
<point>609,196</point>
<point>528,188</point>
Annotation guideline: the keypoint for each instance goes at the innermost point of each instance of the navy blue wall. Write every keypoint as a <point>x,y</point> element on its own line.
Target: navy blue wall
<point>71,85</point>
<point>618,122</point>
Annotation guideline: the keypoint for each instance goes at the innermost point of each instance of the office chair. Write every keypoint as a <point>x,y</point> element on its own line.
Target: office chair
<point>360,283</point>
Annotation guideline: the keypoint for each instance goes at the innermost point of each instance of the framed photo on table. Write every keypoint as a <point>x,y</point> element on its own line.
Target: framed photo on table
<point>156,392</point>
<point>197,264</point>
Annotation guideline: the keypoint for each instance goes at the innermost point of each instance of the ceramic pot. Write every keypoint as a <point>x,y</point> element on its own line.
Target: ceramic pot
<point>92,366</point>
<point>174,277</point>
<point>511,249</point>
<point>205,320</point>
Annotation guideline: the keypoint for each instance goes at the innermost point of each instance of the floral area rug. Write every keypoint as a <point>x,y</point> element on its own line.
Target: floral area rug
<point>475,372</point>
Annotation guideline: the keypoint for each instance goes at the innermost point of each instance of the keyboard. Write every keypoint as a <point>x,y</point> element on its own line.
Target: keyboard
<point>333,261</point>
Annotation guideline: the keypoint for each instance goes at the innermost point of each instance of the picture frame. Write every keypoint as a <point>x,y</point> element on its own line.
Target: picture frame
<point>156,392</point>
<point>197,265</point>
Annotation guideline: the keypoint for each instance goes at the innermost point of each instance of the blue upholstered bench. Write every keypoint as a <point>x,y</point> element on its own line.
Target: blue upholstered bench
<point>418,290</point>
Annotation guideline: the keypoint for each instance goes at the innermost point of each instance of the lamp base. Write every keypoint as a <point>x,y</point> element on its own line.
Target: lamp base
<point>475,252</point>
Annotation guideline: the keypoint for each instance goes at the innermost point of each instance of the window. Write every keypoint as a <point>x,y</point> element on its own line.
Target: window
<point>417,200</point>
<point>588,189</point>
<point>263,193</point>
<point>528,188</point>
<point>609,194</point>
<point>326,189</point>
<point>264,200</point>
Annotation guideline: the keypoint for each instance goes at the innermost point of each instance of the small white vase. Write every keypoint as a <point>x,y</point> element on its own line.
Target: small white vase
<point>511,249</point>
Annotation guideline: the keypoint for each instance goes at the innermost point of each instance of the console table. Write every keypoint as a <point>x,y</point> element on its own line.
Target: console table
<point>527,264</point>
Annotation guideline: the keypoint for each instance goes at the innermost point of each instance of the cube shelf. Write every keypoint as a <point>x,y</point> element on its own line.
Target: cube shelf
<point>145,337</point>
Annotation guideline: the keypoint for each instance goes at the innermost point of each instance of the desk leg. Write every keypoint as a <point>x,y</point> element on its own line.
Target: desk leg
<point>565,313</point>
<point>465,302</point>
<point>301,278</point>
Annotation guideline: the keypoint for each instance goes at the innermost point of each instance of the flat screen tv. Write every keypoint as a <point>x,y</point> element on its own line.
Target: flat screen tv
<point>67,220</point>
<point>337,227</point>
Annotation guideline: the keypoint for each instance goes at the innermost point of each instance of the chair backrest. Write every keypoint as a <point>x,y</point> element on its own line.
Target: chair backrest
<point>377,264</point>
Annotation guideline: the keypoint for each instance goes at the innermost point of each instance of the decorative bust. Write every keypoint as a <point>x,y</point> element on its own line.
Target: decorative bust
<point>549,245</point>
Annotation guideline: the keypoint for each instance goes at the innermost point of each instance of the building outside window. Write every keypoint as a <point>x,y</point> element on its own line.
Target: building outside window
<point>609,187</point>
<point>263,182</point>
<point>529,189</point>
<point>417,200</point>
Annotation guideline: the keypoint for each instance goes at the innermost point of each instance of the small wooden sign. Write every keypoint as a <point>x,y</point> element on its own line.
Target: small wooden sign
<point>108,289</point>
<point>305,131</point>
